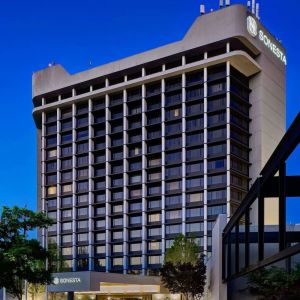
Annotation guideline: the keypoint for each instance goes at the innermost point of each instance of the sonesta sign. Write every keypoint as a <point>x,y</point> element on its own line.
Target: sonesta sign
<point>57,280</point>
<point>264,38</point>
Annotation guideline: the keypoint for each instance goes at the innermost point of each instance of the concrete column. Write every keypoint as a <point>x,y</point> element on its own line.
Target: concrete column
<point>70,296</point>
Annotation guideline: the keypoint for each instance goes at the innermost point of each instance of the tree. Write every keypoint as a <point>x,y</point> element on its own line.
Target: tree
<point>34,289</point>
<point>275,283</point>
<point>184,270</point>
<point>22,258</point>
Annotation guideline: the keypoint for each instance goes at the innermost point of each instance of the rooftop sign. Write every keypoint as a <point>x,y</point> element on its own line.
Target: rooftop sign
<point>255,32</point>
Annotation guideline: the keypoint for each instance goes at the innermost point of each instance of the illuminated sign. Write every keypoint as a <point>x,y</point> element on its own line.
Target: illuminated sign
<point>57,280</point>
<point>252,28</point>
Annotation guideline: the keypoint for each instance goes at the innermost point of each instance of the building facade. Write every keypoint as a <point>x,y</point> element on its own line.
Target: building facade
<point>132,153</point>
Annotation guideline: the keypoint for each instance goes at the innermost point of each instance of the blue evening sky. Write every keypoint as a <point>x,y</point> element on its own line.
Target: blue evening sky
<point>74,33</point>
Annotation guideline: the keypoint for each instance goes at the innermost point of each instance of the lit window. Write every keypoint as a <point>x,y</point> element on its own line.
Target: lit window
<point>52,153</point>
<point>136,260</point>
<point>154,246</point>
<point>117,262</point>
<point>51,190</point>
<point>154,218</point>
<point>154,259</point>
<point>67,188</point>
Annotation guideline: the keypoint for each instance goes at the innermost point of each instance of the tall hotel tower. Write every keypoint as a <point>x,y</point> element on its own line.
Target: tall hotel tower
<point>137,151</point>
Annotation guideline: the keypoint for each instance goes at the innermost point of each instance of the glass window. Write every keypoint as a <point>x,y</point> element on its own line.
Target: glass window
<point>173,186</point>
<point>51,141</point>
<point>173,214</point>
<point>154,231</point>
<point>194,154</point>
<point>117,248</point>
<point>83,224</point>
<point>154,204</point>
<point>82,212</point>
<point>134,261</point>
<point>100,237</point>
<point>52,228</point>
<point>66,188</point>
<point>100,224</point>
<point>194,139</point>
<point>66,163</point>
<point>136,233</point>
<point>117,235</point>
<point>134,220</point>
<point>66,213</point>
<point>117,262</point>
<point>66,226</point>
<point>173,200</point>
<point>135,179</point>
<point>217,149</point>
<point>154,259</point>
<point>82,250</point>
<point>51,166</point>
<point>66,239</point>
<point>172,143</point>
<point>194,183</point>
<point>194,212</point>
<point>66,176</point>
<point>169,243</point>
<point>100,250</point>
<point>173,172</point>
<point>52,215</point>
<point>52,203</point>
<point>173,157</point>
<point>51,153</point>
<point>82,147</point>
<point>136,247</point>
<point>154,218</point>
<point>194,168</point>
<point>51,190</point>
<point>172,114</point>
<point>154,246</point>
<point>173,229</point>
<point>216,164</point>
<point>216,179</point>
<point>216,210</point>
<point>195,197</point>
<point>194,227</point>
<point>100,210</point>
<point>216,195</point>
<point>117,208</point>
<point>66,201</point>
<point>117,222</point>
<point>81,199</point>
<point>82,160</point>
<point>82,186</point>
<point>66,251</point>
<point>66,137</point>
<point>82,173</point>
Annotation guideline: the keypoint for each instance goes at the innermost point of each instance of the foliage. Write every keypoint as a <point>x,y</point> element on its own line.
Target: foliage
<point>22,258</point>
<point>183,250</point>
<point>184,270</point>
<point>275,283</point>
<point>34,289</point>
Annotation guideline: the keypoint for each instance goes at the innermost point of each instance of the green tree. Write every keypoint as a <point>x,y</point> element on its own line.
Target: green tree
<point>22,258</point>
<point>184,270</point>
<point>35,289</point>
<point>275,283</point>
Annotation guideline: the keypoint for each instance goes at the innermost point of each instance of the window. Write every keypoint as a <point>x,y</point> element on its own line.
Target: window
<point>172,143</point>
<point>194,183</point>
<point>66,151</point>
<point>194,227</point>
<point>134,179</point>
<point>173,157</point>
<point>216,134</point>
<point>51,190</point>
<point>82,186</point>
<point>173,172</point>
<point>153,190</point>
<point>135,193</point>
<point>52,203</point>
<point>117,222</point>
<point>136,233</point>
<point>154,176</point>
<point>216,179</point>
<point>173,229</point>
<point>66,163</point>
<point>100,210</point>
<point>173,214</point>
<point>51,141</point>
<point>135,220</point>
<point>117,248</point>
<point>154,259</point>
<point>134,166</point>
<point>136,247</point>
<point>117,235</point>
<point>173,186</point>
<point>154,246</point>
<point>100,237</point>
<point>154,231</point>
<point>135,206</point>
<point>154,218</point>
<point>82,250</point>
<point>82,121</point>
<point>66,213</point>
<point>82,212</point>
<point>66,201</point>
<point>194,168</point>
<point>154,204</point>
<point>100,263</point>
<point>52,228</point>
<point>216,150</point>
<point>66,251</point>
<point>82,199</point>
<point>173,200</point>
<point>154,162</point>
<point>117,182</point>
<point>99,198</point>
<point>66,176</point>
<point>66,226</point>
<point>194,154</point>
<point>82,160</point>
<point>216,164</point>
<point>117,155</point>
<point>173,128</point>
<point>117,208</point>
<point>100,224</point>
<point>117,262</point>
<point>51,153</point>
<point>66,239</point>
<point>83,173</point>
<point>194,212</point>
<point>82,147</point>
<point>66,188</point>
<point>100,250</point>
<point>194,139</point>
<point>194,124</point>
<point>82,134</point>
<point>216,195</point>
<point>135,261</point>
<point>216,210</point>
<point>83,224</point>
<point>52,215</point>
<point>169,243</point>
<point>66,137</point>
<point>195,197</point>
<point>173,114</point>
<point>216,119</point>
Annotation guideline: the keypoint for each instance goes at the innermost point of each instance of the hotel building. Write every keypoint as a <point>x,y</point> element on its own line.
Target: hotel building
<point>137,151</point>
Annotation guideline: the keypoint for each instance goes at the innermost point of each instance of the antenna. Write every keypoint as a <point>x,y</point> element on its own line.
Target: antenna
<point>221,3</point>
<point>253,6</point>
<point>257,11</point>
<point>202,9</point>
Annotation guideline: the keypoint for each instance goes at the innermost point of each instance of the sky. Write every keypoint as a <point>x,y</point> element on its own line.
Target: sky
<point>83,34</point>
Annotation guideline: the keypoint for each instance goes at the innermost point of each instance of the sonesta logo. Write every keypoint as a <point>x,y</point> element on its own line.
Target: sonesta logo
<point>264,38</point>
<point>57,280</point>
